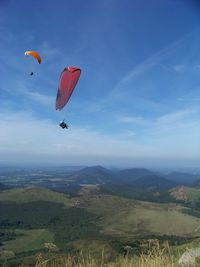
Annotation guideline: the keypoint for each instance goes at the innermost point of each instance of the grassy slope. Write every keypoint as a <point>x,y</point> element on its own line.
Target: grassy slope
<point>29,240</point>
<point>193,194</point>
<point>118,216</point>
<point>32,239</point>
<point>25,195</point>
<point>155,257</point>
<point>124,217</point>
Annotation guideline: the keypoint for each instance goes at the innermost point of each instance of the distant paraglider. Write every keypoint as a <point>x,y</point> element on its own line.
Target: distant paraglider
<point>36,56</point>
<point>67,83</point>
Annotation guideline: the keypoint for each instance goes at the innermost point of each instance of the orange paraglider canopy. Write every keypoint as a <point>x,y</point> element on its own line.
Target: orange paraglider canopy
<point>35,55</point>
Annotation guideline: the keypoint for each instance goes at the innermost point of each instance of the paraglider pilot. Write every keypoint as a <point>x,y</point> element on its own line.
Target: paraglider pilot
<point>63,125</point>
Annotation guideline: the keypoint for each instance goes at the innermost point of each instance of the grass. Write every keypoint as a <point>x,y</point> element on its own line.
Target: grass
<point>118,217</point>
<point>29,240</point>
<point>193,194</point>
<point>156,257</point>
<point>25,195</point>
<point>94,246</point>
<point>123,217</point>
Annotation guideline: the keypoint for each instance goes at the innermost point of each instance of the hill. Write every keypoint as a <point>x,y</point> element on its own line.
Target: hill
<point>152,188</point>
<point>189,195</point>
<point>113,214</point>
<point>32,194</point>
<point>183,178</point>
<point>197,183</point>
<point>154,182</point>
<point>3,187</point>
<point>69,179</point>
<point>128,176</point>
<point>127,218</point>
<point>47,216</point>
<point>101,175</point>
<point>91,175</point>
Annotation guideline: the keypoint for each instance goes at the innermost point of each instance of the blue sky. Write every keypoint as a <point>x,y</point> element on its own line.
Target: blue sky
<point>137,102</point>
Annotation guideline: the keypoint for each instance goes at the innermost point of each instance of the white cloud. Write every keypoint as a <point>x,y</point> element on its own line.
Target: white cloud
<point>22,134</point>
<point>24,138</point>
<point>187,67</point>
<point>174,117</point>
<point>178,68</point>
<point>24,89</point>
<point>41,98</point>
<point>174,134</point>
<point>139,120</point>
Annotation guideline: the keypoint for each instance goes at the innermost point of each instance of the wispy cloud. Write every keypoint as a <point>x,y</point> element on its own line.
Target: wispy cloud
<point>174,117</point>
<point>48,52</point>
<point>138,120</point>
<point>171,119</point>
<point>24,90</point>
<point>41,98</point>
<point>151,61</point>
<point>22,133</point>
<point>157,59</point>
<point>173,135</point>
<point>181,68</point>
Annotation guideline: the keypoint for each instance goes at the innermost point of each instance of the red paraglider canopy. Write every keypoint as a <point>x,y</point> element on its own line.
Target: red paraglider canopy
<point>68,80</point>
